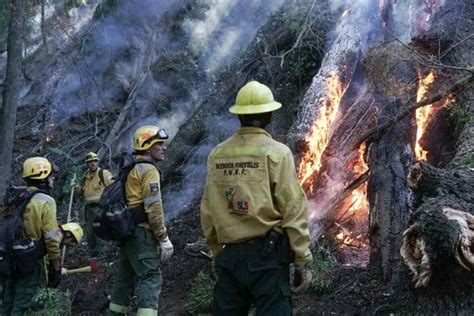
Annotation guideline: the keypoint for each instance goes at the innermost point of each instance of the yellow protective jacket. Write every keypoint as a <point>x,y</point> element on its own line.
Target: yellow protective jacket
<point>39,219</point>
<point>93,187</point>
<point>251,187</point>
<point>143,188</point>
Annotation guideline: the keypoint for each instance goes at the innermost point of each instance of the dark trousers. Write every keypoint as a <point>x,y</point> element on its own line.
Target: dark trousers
<point>138,273</point>
<point>95,244</point>
<point>246,277</point>
<point>19,290</point>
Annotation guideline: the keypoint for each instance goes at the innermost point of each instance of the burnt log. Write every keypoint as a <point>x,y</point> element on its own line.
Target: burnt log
<point>428,180</point>
<point>439,241</point>
<point>441,233</point>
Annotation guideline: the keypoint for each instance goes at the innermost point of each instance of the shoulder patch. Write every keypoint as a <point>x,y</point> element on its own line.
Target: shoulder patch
<point>154,187</point>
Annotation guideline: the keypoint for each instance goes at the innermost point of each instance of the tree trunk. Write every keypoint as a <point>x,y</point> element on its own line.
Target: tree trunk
<point>43,25</point>
<point>437,245</point>
<point>11,92</point>
<point>390,156</point>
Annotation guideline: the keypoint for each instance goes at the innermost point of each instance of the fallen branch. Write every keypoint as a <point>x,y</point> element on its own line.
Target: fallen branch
<point>387,125</point>
<point>332,206</point>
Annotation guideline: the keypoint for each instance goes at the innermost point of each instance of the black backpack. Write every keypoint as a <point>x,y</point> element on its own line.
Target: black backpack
<point>117,221</point>
<point>18,252</point>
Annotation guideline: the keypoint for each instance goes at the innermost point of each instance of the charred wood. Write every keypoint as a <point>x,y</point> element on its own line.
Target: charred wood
<point>439,241</point>
<point>431,181</point>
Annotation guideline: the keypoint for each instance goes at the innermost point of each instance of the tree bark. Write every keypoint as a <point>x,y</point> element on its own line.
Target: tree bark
<point>11,92</point>
<point>428,180</point>
<point>389,158</point>
<point>438,241</point>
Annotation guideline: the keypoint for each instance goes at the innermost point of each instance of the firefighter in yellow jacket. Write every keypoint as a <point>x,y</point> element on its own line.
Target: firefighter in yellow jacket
<point>39,220</point>
<point>139,259</point>
<point>254,214</point>
<point>95,181</point>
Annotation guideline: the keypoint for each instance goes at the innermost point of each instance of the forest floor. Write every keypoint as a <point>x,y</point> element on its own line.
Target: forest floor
<point>354,290</point>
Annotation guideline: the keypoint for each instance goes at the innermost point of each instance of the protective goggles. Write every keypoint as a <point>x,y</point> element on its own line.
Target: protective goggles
<point>161,135</point>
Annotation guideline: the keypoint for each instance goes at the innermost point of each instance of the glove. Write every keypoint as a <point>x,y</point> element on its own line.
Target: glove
<point>54,274</point>
<point>166,248</point>
<point>302,280</point>
<point>73,182</point>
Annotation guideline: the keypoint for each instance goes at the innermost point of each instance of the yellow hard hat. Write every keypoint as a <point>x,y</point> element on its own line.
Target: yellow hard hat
<point>146,136</point>
<point>75,229</point>
<point>92,157</point>
<point>254,98</point>
<point>36,168</point>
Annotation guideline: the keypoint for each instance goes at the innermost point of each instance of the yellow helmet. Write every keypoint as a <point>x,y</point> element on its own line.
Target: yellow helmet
<point>146,136</point>
<point>254,98</point>
<point>36,168</point>
<point>92,157</point>
<point>75,229</point>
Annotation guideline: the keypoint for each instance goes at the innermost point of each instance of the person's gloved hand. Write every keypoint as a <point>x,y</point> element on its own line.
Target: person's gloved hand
<point>54,273</point>
<point>302,280</point>
<point>73,182</point>
<point>166,248</point>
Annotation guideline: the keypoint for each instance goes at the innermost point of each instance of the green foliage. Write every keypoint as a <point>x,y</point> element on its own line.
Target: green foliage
<point>105,8</point>
<point>66,188</point>
<point>199,299</point>
<point>53,302</point>
<point>322,266</point>
<point>69,168</point>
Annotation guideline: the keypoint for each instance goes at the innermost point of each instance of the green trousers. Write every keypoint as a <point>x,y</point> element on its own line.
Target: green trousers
<point>246,278</point>
<point>138,273</point>
<point>19,291</point>
<point>94,243</point>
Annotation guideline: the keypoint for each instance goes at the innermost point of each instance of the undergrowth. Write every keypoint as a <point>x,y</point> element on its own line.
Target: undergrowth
<point>322,266</point>
<point>199,299</point>
<point>51,302</point>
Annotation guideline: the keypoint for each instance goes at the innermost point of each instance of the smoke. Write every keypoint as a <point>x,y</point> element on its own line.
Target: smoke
<point>120,38</point>
<point>226,29</point>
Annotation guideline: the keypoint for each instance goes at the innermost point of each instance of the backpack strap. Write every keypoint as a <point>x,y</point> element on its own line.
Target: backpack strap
<point>22,201</point>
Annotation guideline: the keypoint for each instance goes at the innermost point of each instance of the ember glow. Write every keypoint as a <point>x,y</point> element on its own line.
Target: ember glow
<point>318,137</point>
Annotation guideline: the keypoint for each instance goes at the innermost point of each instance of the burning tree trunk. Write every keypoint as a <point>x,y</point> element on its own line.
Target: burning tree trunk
<point>438,243</point>
<point>390,156</point>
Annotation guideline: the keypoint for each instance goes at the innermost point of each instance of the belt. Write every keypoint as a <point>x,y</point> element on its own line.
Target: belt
<point>257,241</point>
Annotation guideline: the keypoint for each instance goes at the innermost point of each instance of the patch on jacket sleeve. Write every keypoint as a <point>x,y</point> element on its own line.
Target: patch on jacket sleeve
<point>154,187</point>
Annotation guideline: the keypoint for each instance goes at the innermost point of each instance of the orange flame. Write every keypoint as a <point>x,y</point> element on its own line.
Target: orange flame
<point>360,204</point>
<point>423,114</point>
<point>318,137</point>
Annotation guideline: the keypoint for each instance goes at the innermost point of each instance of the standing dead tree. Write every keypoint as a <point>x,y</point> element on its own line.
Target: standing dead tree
<point>11,92</point>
